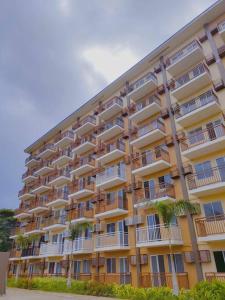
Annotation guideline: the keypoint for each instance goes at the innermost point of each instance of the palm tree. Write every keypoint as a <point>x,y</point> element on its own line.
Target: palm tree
<point>167,211</point>
<point>75,231</point>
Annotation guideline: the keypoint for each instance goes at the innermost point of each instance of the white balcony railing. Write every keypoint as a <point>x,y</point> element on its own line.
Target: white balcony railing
<point>51,249</point>
<point>113,240</point>
<point>79,245</point>
<point>159,233</point>
<point>111,174</point>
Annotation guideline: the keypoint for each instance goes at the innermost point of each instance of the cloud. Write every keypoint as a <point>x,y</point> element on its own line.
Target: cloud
<point>110,62</point>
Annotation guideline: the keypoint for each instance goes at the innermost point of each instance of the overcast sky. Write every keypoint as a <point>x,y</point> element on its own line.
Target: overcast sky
<point>56,54</point>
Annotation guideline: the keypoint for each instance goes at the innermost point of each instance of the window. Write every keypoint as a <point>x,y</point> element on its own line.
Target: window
<point>58,268</point>
<point>55,238</point>
<point>219,257</point>
<point>111,227</point>
<point>213,209</point>
<point>164,180</point>
<point>195,136</point>
<point>86,266</point>
<point>51,267</point>
<point>110,198</point>
<point>204,170</point>
<point>178,263</point>
<point>111,265</point>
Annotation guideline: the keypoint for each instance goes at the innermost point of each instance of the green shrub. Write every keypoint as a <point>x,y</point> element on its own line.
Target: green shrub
<point>203,291</point>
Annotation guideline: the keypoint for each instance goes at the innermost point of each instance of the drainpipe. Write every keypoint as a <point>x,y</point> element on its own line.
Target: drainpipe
<point>135,212</point>
<point>182,177</point>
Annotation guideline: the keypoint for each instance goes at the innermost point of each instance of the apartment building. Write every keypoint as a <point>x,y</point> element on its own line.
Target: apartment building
<point>157,133</point>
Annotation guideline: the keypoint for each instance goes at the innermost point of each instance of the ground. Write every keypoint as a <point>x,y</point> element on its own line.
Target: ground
<point>20,294</point>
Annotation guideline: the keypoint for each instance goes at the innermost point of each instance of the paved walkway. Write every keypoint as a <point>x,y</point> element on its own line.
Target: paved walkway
<point>20,294</point>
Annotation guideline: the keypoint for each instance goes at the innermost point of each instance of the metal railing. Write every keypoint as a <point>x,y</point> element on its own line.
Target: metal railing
<point>206,177</point>
<point>108,125</point>
<point>61,172</point>
<point>29,158</point>
<point>114,239</point>
<point>28,173</point>
<point>118,278</point>
<point>86,160</point>
<point>210,134</point>
<point>67,134</point>
<point>83,140</point>
<point>25,190</point>
<point>47,147</point>
<point>156,124</point>
<point>194,104</point>
<point>110,174</point>
<point>119,202</point>
<point>78,213</point>
<point>149,157</point>
<point>164,279</point>
<point>183,52</point>
<point>211,276</point>
<point>80,244</point>
<point>146,102</point>
<point>158,233</point>
<point>44,163</point>
<point>111,102</point>
<point>53,220</point>
<point>38,202</point>
<point>187,77</point>
<point>210,225</point>
<point>159,191</point>
<point>82,185</point>
<point>111,146</point>
<point>141,81</point>
<point>88,119</point>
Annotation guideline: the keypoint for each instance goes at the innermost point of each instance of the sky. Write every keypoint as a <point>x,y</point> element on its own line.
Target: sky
<point>57,54</point>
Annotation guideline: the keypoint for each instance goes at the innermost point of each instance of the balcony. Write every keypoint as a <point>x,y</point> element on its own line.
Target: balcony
<point>82,190</point>
<point>62,177</point>
<point>145,109</point>
<point>29,252</point>
<point>111,177</point>
<point>111,108</point>
<point>143,86</point>
<point>210,229</point>
<point>111,152</point>
<point>111,208</point>
<point>78,246</point>
<point>147,197</point>
<point>44,168</point>
<point>207,182</point>
<point>41,186</point>
<point>85,125</point>
<point>54,223</point>
<point>221,29</point>
<point>86,164</point>
<point>31,161</point>
<point>197,109</point>
<point>84,145</point>
<point>111,129</point>
<point>212,276</point>
<point>46,151</point>
<point>148,134</point>
<point>22,213</point>
<point>26,193</point>
<point>150,162</point>
<point>112,241</point>
<point>38,205</point>
<point>59,198</point>
<point>204,142</point>
<point>185,58</point>
<point>32,228</point>
<point>164,280</point>
<point>80,215</point>
<point>62,157</point>
<point>51,249</point>
<point>191,82</point>
<point>28,176</point>
<point>158,236</point>
<point>64,139</point>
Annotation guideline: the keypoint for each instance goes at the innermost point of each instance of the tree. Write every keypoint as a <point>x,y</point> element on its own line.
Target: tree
<point>75,231</point>
<point>167,211</point>
<point>7,222</point>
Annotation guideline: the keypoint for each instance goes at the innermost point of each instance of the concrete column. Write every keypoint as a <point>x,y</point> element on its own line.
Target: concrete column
<point>182,177</point>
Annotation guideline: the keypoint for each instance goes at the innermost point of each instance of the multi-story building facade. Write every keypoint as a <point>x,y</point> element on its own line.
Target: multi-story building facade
<point>154,134</point>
